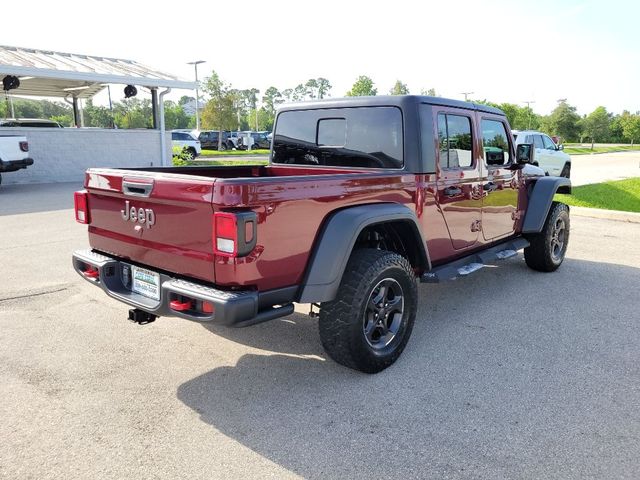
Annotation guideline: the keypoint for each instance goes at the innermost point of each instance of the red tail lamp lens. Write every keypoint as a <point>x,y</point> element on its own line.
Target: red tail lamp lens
<point>81,203</point>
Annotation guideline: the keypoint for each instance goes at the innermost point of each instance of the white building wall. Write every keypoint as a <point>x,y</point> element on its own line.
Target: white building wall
<point>63,154</point>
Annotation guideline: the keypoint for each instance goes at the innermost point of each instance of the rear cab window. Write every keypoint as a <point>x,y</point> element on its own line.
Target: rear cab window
<point>495,142</point>
<point>363,137</point>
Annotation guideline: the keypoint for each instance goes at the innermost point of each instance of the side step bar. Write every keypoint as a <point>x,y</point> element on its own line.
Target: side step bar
<point>474,262</point>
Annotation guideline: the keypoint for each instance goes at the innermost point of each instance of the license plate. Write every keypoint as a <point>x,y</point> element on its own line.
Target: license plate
<point>145,282</point>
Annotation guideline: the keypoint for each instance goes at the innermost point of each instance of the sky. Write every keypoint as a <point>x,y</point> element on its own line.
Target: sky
<point>587,52</point>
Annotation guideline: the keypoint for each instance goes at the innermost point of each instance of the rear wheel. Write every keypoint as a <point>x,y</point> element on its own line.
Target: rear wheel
<point>370,321</point>
<point>547,249</point>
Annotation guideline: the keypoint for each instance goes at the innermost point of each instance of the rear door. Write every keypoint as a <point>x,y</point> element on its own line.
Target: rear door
<point>499,183</point>
<point>163,221</point>
<point>458,177</point>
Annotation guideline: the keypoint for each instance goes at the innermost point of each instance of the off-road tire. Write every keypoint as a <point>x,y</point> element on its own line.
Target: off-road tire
<point>566,171</point>
<point>342,321</point>
<point>547,248</point>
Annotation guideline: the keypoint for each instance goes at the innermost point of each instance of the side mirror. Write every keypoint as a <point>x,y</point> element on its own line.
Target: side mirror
<point>561,147</point>
<point>524,153</point>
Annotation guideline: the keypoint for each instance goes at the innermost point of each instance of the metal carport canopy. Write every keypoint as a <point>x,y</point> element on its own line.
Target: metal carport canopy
<point>46,73</point>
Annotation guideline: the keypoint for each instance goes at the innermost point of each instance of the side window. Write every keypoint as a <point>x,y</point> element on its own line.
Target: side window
<point>454,139</point>
<point>548,143</point>
<point>537,141</point>
<point>495,143</point>
<point>174,136</point>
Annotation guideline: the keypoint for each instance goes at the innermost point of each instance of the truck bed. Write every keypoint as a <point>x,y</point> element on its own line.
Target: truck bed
<point>290,202</point>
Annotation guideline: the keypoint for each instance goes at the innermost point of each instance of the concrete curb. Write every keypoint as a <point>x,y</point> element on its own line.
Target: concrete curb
<point>607,214</point>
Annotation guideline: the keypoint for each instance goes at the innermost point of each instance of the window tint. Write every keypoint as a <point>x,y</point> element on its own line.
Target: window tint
<point>548,143</point>
<point>174,136</point>
<point>332,132</point>
<point>495,143</point>
<point>537,141</point>
<point>454,138</point>
<point>369,137</point>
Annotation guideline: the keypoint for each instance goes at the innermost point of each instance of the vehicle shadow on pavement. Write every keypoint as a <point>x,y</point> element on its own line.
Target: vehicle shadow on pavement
<point>497,366</point>
<point>32,198</point>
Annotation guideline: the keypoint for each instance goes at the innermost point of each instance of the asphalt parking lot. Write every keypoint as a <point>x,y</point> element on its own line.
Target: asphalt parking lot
<point>509,374</point>
<point>604,166</point>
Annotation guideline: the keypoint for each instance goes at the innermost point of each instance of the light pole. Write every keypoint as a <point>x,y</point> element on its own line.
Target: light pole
<point>195,67</point>
<point>529,102</point>
<point>466,94</point>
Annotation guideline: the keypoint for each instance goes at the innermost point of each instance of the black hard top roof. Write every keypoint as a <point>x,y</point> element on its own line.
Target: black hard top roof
<point>402,101</point>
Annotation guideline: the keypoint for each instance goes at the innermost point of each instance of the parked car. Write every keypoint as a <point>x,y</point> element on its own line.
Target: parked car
<point>261,140</point>
<point>253,140</point>
<point>548,155</point>
<point>362,199</point>
<point>14,154</point>
<point>186,143</point>
<point>29,122</point>
<point>209,139</point>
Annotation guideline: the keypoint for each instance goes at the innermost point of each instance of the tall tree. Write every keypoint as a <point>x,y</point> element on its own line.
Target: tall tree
<point>399,88</point>
<point>563,121</point>
<point>323,87</point>
<point>363,87</point>
<point>631,126</point>
<point>430,92</point>
<point>220,112</point>
<point>312,88</point>
<point>596,125</point>
<point>299,93</point>
<point>287,94</point>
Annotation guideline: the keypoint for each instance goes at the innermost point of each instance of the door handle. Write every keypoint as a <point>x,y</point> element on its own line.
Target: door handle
<point>452,191</point>
<point>489,186</point>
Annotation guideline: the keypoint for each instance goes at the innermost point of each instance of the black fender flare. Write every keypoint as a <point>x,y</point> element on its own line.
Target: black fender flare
<point>540,200</point>
<point>336,240</point>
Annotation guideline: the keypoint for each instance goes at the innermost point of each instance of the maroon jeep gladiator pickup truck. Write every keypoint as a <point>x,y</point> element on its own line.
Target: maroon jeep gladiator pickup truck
<point>361,199</point>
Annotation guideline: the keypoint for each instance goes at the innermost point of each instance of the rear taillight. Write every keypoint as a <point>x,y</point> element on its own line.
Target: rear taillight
<point>24,146</point>
<point>81,203</point>
<point>234,234</point>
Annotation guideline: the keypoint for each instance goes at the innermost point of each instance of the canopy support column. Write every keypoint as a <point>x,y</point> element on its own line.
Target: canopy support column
<point>76,113</point>
<point>154,107</point>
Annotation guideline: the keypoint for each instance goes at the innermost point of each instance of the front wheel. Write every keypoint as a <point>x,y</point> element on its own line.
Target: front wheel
<point>189,154</point>
<point>548,248</point>
<point>566,170</point>
<point>368,324</point>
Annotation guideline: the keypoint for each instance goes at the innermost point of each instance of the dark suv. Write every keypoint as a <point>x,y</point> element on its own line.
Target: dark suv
<point>210,138</point>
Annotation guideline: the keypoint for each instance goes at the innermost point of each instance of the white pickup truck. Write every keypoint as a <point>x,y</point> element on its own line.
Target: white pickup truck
<point>14,154</point>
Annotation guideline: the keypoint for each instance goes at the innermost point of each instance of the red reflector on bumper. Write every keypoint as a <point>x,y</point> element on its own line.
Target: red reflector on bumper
<point>91,273</point>
<point>180,306</point>
<point>207,307</point>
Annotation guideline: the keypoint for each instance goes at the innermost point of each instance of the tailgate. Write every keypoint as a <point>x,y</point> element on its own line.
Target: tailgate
<point>10,149</point>
<point>157,219</point>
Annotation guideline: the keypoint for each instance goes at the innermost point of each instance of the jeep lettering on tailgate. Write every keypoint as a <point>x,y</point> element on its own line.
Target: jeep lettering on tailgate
<point>140,215</point>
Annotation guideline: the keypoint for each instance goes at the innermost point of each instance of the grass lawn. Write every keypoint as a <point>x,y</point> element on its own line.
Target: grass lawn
<point>224,153</point>
<point>619,195</point>
<point>224,161</point>
<point>581,150</point>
